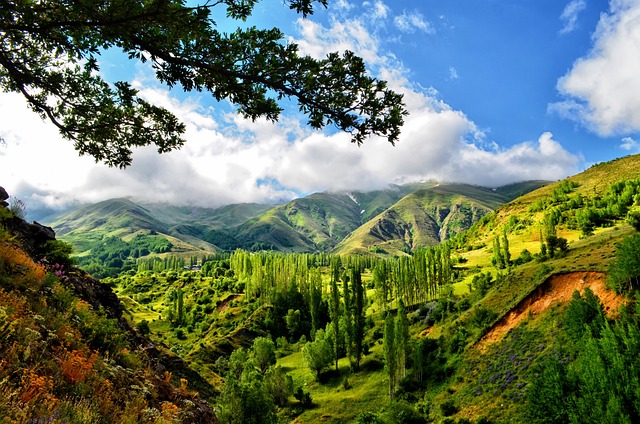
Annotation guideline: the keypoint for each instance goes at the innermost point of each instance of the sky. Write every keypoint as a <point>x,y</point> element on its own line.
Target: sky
<point>498,92</point>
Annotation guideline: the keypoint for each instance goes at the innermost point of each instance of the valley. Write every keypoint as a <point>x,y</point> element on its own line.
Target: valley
<point>451,304</point>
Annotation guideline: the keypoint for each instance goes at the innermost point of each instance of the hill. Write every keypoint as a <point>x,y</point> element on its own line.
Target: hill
<point>425,217</point>
<point>68,354</point>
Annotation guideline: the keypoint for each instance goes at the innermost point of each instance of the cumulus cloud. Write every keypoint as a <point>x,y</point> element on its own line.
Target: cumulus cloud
<point>412,22</point>
<point>601,88</point>
<point>231,160</point>
<point>630,145</point>
<point>570,14</point>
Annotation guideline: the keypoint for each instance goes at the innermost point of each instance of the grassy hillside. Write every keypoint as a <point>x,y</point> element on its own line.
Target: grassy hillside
<point>313,223</point>
<point>425,217</point>
<point>67,353</point>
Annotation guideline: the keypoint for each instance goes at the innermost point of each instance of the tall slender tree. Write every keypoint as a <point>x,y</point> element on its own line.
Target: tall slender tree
<point>401,340</point>
<point>334,308</point>
<point>358,315</point>
<point>390,352</point>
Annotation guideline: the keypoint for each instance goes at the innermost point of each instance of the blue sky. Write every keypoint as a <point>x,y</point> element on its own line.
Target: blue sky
<point>498,91</point>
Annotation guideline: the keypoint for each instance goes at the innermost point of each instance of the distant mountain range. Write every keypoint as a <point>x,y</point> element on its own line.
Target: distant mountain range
<point>390,221</point>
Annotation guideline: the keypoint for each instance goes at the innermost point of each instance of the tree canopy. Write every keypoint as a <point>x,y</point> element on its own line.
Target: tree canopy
<point>49,53</point>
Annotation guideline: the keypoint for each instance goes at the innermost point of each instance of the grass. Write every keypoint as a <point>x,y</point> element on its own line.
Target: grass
<point>333,403</point>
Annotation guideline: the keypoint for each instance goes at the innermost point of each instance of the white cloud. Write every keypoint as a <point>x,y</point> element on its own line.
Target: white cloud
<point>570,14</point>
<point>378,10</point>
<point>342,5</point>
<point>629,144</point>
<point>601,88</point>
<point>233,160</point>
<point>412,22</point>
<point>453,73</point>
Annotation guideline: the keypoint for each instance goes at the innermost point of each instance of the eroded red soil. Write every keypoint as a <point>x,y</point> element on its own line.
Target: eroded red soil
<point>557,288</point>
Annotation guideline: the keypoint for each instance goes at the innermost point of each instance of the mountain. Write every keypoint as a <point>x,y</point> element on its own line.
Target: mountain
<point>188,228</point>
<point>387,221</point>
<point>399,218</point>
<point>423,218</point>
<point>502,330</point>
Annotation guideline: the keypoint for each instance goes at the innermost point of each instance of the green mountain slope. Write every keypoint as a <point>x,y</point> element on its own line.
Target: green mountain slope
<point>312,223</point>
<point>426,217</point>
<point>431,212</point>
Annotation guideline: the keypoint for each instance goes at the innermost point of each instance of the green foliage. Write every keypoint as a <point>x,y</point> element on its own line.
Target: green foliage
<point>368,418</point>
<point>480,285</point>
<point>583,313</point>
<point>58,252</point>
<point>483,317</point>
<point>401,412</point>
<point>602,383</point>
<point>264,353</point>
<point>390,352</point>
<point>143,327</point>
<point>317,354</point>
<point>56,66</point>
<point>448,408</point>
<point>17,208</point>
<point>633,218</point>
<point>624,270</point>
<point>303,397</point>
<point>546,396</point>
<point>249,396</point>
<point>279,385</point>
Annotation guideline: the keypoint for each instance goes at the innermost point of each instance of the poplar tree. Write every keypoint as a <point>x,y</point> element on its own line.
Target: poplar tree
<point>390,352</point>
<point>401,340</point>
<point>334,309</point>
<point>505,247</point>
<point>315,299</point>
<point>358,315</point>
<point>348,319</point>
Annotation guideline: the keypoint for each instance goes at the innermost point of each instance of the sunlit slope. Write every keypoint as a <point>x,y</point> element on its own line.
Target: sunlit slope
<point>426,217</point>
<point>523,219</point>
<point>312,223</point>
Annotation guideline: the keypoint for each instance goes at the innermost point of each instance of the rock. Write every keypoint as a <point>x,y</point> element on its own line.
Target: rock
<point>3,196</point>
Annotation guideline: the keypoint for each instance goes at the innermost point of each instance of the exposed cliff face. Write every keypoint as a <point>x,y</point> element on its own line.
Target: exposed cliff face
<point>23,250</point>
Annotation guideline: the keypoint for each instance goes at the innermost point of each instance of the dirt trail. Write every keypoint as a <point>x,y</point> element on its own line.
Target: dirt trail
<point>557,288</point>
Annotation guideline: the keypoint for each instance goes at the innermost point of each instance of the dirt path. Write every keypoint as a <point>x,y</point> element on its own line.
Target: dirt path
<point>557,288</point>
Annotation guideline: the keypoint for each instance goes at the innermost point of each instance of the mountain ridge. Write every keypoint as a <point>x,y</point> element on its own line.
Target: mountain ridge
<point>320,222</point>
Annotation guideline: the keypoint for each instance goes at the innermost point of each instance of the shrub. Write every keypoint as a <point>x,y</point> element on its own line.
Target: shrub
<point>18,208</point>
<point>303,397</point>
<point>143,327</point>
<point>624,271</point>
<point>448,408</point>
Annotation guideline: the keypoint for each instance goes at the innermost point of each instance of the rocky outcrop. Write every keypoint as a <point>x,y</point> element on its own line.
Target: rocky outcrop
<point>3,197</point>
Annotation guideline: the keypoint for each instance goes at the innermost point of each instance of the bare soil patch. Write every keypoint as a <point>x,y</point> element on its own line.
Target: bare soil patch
<point>557,288</point>
<point>224,305</point>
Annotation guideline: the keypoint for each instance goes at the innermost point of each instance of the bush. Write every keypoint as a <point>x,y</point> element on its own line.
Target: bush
<point>143,327</point>
<point>483,317</point>
<point>624,271</point>
<point>303,397</point>
<point>448,408</point>
<point>402,413</point>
